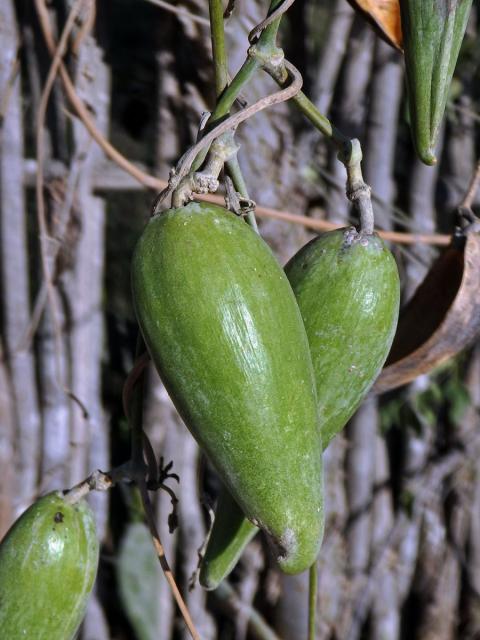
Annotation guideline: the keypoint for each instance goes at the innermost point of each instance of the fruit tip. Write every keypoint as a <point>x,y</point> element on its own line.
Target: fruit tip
<point>206,580</point>
<point>428,157</point>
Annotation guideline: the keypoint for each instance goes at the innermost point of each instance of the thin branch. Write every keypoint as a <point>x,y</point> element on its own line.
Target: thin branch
<point>57,242</point>
<point>138,471</point>
<point>45,239</point>
<point>180,11</point>
<point>219,50</point>
<point>227,596</point>
<point>324,225</point>
<point>254,34</point>
<point>83,113</point>
<point>472,189</point>
<point>132,378</point>
<point>312,599</point>
<point>147,505</point>
<point>220,61</point>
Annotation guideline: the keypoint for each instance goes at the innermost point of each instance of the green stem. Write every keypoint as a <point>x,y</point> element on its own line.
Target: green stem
<point>319,121</point>
<point>220,61</point>
<point>312,599</point>
<point>247,70</point>
<point>268,38</point>
<point>219,51</point>
<point>226,100</point>
<point>236,175</point>
<point>252,64</point>
<point>258,627</point>
<point>349,152</point>
<point>136,418</point>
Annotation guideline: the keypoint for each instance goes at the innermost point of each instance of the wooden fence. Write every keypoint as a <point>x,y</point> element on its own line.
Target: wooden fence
<point>401,558</point>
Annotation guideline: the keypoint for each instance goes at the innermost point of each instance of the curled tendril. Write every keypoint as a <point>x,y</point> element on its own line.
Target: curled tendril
<point>186,161</point>
<point>254,34</point>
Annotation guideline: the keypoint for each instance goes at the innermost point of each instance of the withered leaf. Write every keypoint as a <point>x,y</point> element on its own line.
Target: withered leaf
<point>384,16</point>
<point>442,318</point>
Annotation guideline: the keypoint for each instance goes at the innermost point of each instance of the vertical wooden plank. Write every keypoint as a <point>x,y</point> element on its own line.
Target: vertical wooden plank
<point>85,283</point>
<point>333,52</point>
<point>15,269</point>
<point>7,439</point>
<point>350,110</point>
<point>332,561</point>
<point>55,404</point>
<point>382,128</point>
<point>423,215</point>
<point>84,287</point>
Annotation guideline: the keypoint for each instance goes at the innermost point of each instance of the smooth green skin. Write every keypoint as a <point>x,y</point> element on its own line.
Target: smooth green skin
<point>222,326</point>
<point>48,564</point>
<point>348,291</point>
<point>432,37</point>
<point>230,534</point>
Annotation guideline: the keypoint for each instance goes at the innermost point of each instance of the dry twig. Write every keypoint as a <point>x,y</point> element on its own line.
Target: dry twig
<point>147,505</point>
<point>180,11</point>
<point>472,189</point>
<point>45,239</point>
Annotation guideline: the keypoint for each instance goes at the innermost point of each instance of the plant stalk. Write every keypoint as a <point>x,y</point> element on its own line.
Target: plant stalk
<point>220,61</point>
<point>312,599</point>
<point>219,51</point>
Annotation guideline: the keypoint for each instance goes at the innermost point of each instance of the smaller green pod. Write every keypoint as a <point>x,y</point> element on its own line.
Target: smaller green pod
<point>230,534</point>
<point>348,291</point>
<point>48,564</point>
<point>433,32</point>
<point>347,287</point>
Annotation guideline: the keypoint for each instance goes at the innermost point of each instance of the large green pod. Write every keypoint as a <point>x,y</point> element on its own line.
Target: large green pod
<point>347,288</point>
<point>48,564</point>
<point>222,326</point>
<point>433,32</point>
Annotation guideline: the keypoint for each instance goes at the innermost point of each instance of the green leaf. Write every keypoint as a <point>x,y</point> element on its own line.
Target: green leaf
<point>139,575</point>
<point>459,400</point>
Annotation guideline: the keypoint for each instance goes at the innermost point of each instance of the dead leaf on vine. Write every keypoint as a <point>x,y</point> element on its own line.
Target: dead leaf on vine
<point>442,318</point>
<point>385,17</point>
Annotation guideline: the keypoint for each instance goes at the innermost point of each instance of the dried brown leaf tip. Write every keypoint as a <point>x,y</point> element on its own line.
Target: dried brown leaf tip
<point>442,318</point>
<point>384,15</point>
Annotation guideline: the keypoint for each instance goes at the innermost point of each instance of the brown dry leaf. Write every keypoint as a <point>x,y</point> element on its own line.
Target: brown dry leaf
<point>442,318</point>
<point>385,17</point>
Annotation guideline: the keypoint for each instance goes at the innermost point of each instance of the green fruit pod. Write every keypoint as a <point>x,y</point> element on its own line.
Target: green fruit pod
<point>223,328</point>
<point>433,32</point>
<point>230,534</point>
<point>348,291</point>
<point>48,564</point>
